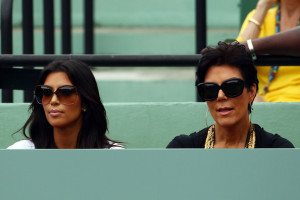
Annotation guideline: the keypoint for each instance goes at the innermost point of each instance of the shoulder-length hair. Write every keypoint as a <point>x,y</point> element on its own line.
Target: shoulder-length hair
<point>94,121</point>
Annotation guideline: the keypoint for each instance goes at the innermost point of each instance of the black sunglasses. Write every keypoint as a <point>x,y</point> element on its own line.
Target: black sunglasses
<point>66,94</point>
<point>209,91</point>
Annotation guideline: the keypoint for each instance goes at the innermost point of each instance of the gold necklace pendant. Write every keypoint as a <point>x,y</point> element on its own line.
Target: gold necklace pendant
<point>210,138</point>
<point>250,144</point>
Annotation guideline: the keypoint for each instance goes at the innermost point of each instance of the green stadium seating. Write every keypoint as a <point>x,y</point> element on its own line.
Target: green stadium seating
<point>153,125</point>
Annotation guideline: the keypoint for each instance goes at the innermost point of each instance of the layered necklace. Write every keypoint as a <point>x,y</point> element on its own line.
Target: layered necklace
<point>210,139</point>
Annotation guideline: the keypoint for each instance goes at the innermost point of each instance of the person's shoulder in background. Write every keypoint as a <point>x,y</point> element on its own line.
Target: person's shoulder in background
<point>267,28</point>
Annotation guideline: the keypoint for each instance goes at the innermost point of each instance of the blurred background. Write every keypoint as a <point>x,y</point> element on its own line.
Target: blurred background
<point>138,27</point>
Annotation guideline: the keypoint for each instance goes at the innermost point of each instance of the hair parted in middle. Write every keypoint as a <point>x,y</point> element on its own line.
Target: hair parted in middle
<point>94,121</point>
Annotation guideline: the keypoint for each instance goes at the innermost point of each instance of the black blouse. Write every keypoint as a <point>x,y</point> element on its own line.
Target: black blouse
<point>263,140</point>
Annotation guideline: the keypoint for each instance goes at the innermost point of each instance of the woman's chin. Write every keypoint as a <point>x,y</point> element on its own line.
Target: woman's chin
<point>226,123</point>
<point>57,124</point>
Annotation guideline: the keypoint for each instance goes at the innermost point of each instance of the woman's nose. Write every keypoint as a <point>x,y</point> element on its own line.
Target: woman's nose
<point>54,100</point>
<point>221,95</point>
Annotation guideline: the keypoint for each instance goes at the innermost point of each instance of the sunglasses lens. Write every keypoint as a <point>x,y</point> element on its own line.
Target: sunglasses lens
<point>38,94</point>
<point>43,94</point>
<point>233,87</point>
<point>208,91</point>
<point>67,94</point>
<point>47,95</point>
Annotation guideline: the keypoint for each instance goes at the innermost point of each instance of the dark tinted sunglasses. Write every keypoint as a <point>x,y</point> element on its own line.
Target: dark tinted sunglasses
<point>66,94</point>
<point>209,91</point>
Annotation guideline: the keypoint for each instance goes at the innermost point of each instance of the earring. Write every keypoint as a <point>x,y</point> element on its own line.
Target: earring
<point>84,109</point>
<point>250,108</point>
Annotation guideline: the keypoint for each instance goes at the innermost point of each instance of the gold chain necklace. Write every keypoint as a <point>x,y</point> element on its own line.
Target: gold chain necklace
<point>210,139</point>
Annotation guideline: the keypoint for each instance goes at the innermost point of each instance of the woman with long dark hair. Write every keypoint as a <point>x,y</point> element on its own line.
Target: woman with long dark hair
<point>67,111</point>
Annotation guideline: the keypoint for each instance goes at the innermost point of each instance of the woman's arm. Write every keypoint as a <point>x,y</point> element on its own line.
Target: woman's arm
<point>283,43</point>
<point>253,24</point>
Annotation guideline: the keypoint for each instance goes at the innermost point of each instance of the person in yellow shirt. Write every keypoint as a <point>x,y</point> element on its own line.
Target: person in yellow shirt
<point>276,83</point>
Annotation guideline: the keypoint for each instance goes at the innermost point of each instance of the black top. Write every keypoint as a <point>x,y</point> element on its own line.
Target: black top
<point>263,140</point>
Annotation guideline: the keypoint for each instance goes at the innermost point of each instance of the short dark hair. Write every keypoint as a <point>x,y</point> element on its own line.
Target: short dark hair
<point>233,54</point>
<point>94,121</point>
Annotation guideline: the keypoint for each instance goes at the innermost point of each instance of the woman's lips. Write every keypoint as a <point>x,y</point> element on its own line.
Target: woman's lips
<point>55,113</point>
<point>224,111</point>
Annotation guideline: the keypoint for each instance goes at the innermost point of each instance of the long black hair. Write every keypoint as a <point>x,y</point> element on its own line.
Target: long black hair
<point>94,121</point>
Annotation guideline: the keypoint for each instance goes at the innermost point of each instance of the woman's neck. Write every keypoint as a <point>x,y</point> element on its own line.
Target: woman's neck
<point>290,5</point>
<point>231,137</point>
<point>66,138</point>
<point>290,13</point>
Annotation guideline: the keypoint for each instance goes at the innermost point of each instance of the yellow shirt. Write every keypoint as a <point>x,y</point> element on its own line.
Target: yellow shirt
<point>285,87</point>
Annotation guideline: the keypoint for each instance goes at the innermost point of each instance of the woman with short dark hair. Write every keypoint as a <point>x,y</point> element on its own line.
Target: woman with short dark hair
<point>227,82</point>
<point>67,111</point>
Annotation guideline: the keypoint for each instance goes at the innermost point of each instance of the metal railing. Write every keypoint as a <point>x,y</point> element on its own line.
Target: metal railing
<point>49,38</point>
<point>25,78</point>
<point>131,60</point>
<point>28,74</point>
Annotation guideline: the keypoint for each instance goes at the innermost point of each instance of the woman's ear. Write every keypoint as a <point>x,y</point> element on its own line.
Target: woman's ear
<point>252,93</point>
<point>83,106</point>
